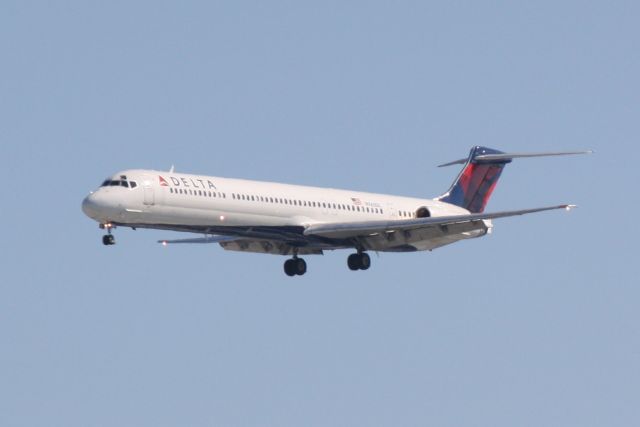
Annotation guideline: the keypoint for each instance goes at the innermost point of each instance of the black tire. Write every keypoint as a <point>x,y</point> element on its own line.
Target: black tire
<point>353,262</point>
<point>108,239</point>
<point>301,266</point>
<point>365,261</point>
<point>290,267</point>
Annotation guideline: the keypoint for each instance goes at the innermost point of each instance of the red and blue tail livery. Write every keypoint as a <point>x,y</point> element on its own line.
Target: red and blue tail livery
<point>473,187</point>
<point>477,180</point>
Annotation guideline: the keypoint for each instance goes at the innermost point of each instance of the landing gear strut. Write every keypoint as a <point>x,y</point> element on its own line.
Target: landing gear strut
<point>359,261</point>
<point>295,266</point>
<point>108,239</point>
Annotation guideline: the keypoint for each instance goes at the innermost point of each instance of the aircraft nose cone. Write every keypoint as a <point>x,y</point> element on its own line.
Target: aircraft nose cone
<point>89,206</point>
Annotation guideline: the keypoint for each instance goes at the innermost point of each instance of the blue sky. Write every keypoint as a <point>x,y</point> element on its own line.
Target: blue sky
<point>536,324</point>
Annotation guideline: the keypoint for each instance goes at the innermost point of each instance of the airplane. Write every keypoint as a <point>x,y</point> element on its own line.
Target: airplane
<point>292,220</point>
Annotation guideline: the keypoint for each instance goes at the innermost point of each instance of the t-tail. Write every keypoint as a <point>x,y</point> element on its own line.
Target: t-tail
<point>479,176</point>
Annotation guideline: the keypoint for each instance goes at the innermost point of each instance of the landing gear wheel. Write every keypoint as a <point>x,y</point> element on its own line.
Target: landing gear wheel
<point>300,266</point>
<point>289,267</point>
<point>295,267</point>
<point>108,239</point>
<point>359,261</point>
<point>353,262</point>
<point>365,261</point>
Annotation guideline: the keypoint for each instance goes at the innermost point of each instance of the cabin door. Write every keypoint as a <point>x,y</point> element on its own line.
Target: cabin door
<point>391,210</point>
<point>149,198</point>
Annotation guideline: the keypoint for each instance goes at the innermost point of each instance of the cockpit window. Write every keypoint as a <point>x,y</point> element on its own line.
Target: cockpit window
<point>119,183</point>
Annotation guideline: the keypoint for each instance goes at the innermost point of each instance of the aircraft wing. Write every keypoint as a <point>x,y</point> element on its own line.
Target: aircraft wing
<point>207,239</point>
<point>362,229</point>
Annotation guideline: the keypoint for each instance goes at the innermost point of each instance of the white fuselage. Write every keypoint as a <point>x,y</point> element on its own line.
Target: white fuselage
<point>168,200</point>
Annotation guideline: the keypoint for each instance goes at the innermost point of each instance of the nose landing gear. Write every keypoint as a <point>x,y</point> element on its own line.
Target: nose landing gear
<point>108,239</point>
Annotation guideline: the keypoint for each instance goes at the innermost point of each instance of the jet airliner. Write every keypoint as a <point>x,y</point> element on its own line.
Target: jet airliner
<point>291,220</point>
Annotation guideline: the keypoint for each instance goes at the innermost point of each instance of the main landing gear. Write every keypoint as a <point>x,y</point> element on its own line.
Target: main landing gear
<point>295,266</point>
<point>359,261</point>
<point>108,239</point>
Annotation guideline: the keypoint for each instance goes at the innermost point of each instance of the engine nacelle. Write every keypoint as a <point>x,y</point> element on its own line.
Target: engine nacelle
<point>423,212</point>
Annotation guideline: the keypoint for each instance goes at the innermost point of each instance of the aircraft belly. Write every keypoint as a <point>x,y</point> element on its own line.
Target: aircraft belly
<point>268,247</point>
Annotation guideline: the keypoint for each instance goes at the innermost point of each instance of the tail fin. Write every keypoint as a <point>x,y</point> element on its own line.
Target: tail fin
<point>479,176</point>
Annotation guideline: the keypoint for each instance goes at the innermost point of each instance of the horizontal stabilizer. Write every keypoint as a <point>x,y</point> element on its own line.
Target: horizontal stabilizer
<point>506,157</point>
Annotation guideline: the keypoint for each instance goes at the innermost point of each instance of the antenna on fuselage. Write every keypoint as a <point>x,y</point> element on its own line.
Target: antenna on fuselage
<point>172,169</point>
